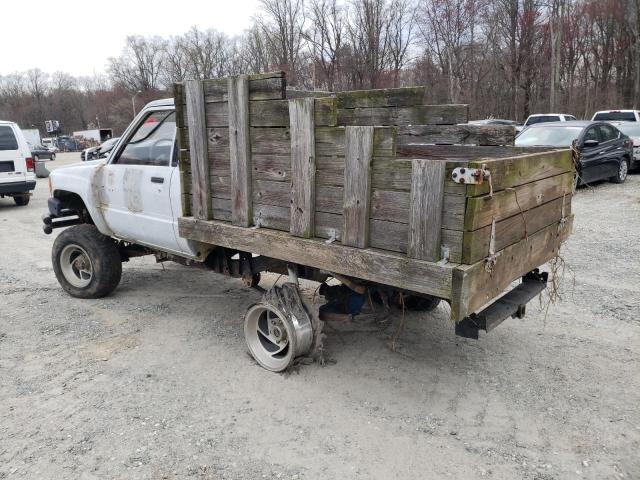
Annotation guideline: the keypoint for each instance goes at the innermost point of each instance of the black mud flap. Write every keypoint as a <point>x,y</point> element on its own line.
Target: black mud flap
<point>513,304</point>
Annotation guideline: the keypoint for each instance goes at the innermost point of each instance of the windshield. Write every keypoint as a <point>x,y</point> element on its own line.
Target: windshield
<point>630,129</point>
<point>543,119</point>
<point>625,116</point>
<point>548,136</point>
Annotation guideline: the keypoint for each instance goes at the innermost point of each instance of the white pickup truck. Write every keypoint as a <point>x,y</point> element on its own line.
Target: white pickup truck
<point>125,205</point>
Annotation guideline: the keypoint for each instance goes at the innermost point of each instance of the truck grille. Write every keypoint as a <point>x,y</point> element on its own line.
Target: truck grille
<point>6,167</point>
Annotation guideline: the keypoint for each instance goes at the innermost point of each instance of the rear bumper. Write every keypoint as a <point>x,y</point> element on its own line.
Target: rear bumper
<point>512,304</point>
<point>24,186</point>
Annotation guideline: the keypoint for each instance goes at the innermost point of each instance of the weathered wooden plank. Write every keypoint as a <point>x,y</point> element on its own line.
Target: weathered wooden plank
<point>329,199</point>
<point>357,186</point>
<point>412,115</point>
<point>272,113</point>
<point>457,134</point>
<point>425,216</point>
<point>480,211</point>
<point>240,150</point>
<point>272,193</point>
<point>271,216</point>
<point>196,122</point>
<point>271,167</point>
<point>515,171</point>
<point>328,225</point>
<point>221,209</point>
<point>460,152</point>
<point>388,97</point>
<point>511,230</point>
<point>270,86</point>
<point>303,166</point>
<point>330,171</point>
<point>373,265</point>
<point>394,206</point>
<point>271,141</point>
<point>474,286</point>
<point>295,93</point>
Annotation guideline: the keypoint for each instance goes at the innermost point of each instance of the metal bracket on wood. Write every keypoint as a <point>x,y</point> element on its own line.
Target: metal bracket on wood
<point>332,236</point>
<point>473,176</point>
<point>563,218</point>
<point>492,258</point>
<point>444,255</point>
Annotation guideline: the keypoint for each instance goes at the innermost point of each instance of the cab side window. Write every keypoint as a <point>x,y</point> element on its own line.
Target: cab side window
<point>152,143</point>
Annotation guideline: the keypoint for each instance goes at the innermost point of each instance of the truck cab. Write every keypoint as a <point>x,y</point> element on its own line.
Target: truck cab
<point>133,195</point>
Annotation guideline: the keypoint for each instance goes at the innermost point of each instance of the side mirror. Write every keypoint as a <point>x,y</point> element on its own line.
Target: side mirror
<point>590,143</point>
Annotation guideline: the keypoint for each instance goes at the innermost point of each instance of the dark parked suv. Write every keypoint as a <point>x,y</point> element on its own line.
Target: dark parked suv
<point>605,153</point>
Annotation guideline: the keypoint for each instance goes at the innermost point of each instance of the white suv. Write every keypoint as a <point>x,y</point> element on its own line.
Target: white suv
<point>17,177</point>
<point>617,115</point>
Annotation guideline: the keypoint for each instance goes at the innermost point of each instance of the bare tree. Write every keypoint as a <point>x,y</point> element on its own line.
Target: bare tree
<point>140,65</point>
<point>282,25</point>
<point>326,35</point>
<point>402,15</point>
<point>369,37</point>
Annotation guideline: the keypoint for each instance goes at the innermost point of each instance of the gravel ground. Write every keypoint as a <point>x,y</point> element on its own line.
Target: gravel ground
<point>155,381</point>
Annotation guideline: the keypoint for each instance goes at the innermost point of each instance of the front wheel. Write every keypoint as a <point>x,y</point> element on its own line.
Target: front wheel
<point>623,170</point>
<point>87,263</point>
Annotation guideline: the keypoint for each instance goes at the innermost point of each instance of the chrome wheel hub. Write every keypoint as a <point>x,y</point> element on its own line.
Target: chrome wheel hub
<point>76,266</point>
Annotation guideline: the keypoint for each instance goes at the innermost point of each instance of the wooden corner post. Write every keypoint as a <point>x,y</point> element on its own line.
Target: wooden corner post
<point>357,186</point>
<point>240,150</point>
<point>425,209</point>
<point>303,166</point>
<point>198,150</point>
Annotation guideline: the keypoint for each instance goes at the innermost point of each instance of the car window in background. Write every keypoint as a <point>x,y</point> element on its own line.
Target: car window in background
<point>543,119</point>
<point>7,138</point>
<point>591,134</point>
<point>607,133</point>
<point>570,117</point>
<point>548,136</point>
<point>624,116</point>
<point>630,129</point>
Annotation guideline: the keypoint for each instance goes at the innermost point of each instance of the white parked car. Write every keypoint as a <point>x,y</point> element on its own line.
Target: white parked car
<point>17,177</point>
<point>546,118</point>
<point>631,130</point>
<point>617,115</point>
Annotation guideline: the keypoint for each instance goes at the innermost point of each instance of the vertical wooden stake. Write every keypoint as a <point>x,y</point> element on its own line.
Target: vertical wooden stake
<point>196,122</point>
<point>357,186</point>
<point>240,150</point>
<point>425,215</point>
<point>303,166</point>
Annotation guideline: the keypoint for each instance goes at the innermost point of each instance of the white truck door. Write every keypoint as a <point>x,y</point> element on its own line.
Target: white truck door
<point>136,190</point>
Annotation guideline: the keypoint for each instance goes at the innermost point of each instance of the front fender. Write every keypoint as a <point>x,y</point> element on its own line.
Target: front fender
<point>84,180</point>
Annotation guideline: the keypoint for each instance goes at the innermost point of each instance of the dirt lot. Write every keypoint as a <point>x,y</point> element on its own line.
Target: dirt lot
<point>155,380</point>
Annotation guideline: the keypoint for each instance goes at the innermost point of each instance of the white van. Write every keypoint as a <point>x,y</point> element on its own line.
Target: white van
<point>17,177</point>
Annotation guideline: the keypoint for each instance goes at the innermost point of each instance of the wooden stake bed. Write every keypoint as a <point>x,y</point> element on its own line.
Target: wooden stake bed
<point>372,171</point>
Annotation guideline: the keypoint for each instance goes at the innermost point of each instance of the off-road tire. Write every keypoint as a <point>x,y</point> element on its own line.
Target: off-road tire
<point>105,261</point>
<point>22,200</point>
<point>421,304</point>
<point>619,177</point>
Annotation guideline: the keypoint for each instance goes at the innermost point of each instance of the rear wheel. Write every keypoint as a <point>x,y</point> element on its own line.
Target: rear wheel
<point>22,199</point>
<point>87,264</point>
<point>623,170</point>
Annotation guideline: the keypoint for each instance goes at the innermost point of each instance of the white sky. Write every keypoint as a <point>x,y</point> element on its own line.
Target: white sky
<point>77,36</point>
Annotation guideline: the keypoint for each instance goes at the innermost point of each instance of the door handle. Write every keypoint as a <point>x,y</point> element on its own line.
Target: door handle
<point>157,179</point>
